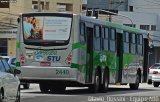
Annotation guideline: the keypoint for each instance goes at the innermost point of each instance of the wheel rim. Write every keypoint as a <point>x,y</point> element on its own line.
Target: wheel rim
<point>96,83</point>
<point>106,84</point>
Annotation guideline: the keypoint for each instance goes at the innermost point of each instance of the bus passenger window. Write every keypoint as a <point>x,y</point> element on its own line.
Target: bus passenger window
<point>82,33</point>
<point>105,42</point>
<point>139,44</point>
<point>97,38</point>
<point>126,42</point>
<point>133,43</point>
<point>112,39</point>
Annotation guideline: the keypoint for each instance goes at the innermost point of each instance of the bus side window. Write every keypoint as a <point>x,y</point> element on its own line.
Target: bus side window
<point>139,44</point>
<point>82,33</point>
<point>105,35</point>
<point>133,43</point>
<point>97,40</point>
<point>126,42</point>
<point>112,41</point>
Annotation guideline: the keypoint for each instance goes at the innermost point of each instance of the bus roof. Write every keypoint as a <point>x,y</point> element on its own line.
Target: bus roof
<point>118,27</point>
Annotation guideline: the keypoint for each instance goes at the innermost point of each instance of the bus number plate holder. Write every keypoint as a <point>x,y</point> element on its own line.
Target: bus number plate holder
<point>45,63</point>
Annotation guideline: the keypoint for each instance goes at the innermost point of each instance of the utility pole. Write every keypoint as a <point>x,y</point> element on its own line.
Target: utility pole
<point>110,17</point>
<point>39,5</point>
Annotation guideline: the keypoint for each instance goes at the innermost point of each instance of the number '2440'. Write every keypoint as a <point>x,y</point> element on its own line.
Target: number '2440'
<point>62,71</point>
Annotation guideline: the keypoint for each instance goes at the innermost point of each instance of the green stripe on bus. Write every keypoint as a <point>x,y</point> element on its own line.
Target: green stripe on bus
<point>81,68</point>
<point>73,65</point>
<point>17,44</point>
<point>78,45</point>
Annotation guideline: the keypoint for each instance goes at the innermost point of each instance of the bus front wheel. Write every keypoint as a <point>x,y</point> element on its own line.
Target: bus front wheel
<point>43,87</point>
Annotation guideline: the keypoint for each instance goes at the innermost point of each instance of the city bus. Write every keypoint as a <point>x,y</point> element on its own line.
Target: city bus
<point>68,50</point>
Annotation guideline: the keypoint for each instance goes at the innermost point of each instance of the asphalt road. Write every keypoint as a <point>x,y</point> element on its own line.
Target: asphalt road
<point>146,93</point>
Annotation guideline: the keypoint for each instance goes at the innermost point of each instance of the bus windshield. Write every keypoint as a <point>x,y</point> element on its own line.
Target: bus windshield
<point>46,28</point>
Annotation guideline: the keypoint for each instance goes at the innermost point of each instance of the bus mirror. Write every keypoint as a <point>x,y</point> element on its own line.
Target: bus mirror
<point>151,46</point>
<point>18,20</point>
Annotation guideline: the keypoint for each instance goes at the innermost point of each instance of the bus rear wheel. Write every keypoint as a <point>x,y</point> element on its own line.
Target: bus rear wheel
<point>43,87</point>
<point>155,84</point>
<point>96,86</point>
<point>135,86</point>
<point>26,85</point>
<point>105,84</point>
<point>57,88</point>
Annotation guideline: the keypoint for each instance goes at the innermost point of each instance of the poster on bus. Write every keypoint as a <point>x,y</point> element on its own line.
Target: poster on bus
<point>46,28</point>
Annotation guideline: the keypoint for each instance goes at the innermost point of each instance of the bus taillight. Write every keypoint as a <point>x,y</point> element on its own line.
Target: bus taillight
<point>69,58</point>
<point>22,58</point>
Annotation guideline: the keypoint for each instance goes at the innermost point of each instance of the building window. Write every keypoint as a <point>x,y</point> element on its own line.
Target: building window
<point>3,47</point>
<point>62,7</point>
<point>153,27</point>
<point>4,3</point>
<point>130,25</point>
<point>43,5</point>
<point>131,8</point>
<point>144,27</point>
<point>84,7</point>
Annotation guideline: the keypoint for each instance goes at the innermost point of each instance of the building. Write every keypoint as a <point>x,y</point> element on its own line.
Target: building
<point>10,9</point>
<point>108,4</point>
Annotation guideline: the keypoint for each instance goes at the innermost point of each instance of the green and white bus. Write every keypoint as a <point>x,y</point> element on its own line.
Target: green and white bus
<point>67,50</point>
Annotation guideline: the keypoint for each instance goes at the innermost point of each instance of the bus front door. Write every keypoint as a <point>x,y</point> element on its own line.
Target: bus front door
<point>120,57</point>
<point>89,63</point>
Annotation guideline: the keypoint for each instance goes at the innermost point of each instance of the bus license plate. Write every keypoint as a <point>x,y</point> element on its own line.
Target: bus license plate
<point>45,64</point>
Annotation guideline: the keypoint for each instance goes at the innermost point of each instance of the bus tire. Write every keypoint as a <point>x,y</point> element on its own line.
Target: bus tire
<point>43,87</point>
<point>26,85</point>
<point>135,86</point>
<point>18,95</point>
<point>58,88</point>
<point>1,96</point>
<point>155,84</point>
<point>94,88</point>
<point>105,83</point>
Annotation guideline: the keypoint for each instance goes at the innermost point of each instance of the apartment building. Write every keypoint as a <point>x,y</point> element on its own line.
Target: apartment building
<point>10,9</point>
